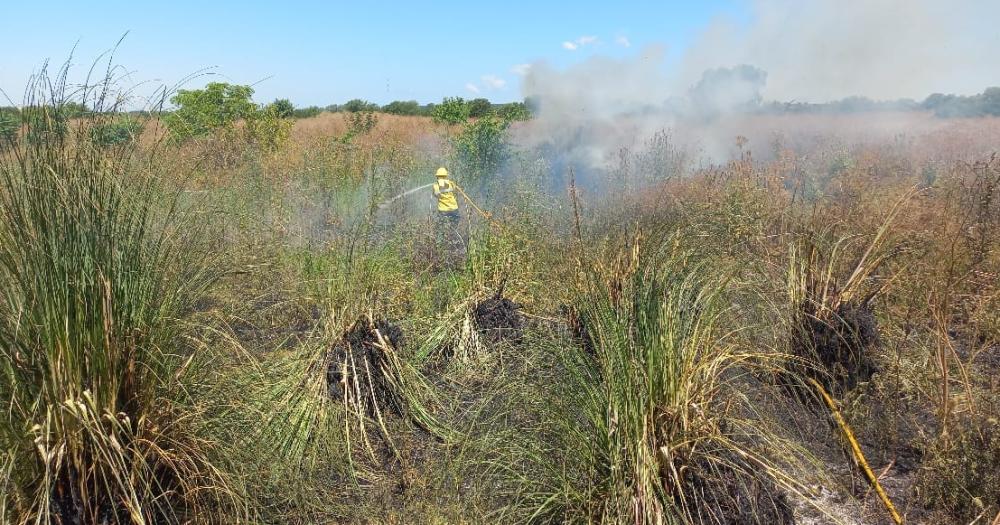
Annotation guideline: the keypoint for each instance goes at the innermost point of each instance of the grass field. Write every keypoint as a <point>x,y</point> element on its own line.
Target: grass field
<point>212,332</point>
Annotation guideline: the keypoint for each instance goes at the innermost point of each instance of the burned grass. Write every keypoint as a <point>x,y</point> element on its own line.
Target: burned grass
<point>728,490</point>
<point>578,330</point>
<point>498,320</point>
<point>360,368</point>
<point>837,348</point>
<point>642,439</point>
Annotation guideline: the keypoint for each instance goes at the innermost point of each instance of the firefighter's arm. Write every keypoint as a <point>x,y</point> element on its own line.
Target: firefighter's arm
<point>437,191</point>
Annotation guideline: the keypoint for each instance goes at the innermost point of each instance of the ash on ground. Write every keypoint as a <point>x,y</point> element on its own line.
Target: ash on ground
<point>499,320</point>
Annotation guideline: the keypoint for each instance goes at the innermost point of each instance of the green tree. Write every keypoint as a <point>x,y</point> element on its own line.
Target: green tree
<point>451,110</point>
<point>308,112</point>
<point>990,101</point>
<point>357,105</point>
<point>479,107</point>
<point>283,108</point>
<point>216,109</point>
<point>201,111</point>
<point>402,107</point>
<point>481,146</point>
<point>985,103</point>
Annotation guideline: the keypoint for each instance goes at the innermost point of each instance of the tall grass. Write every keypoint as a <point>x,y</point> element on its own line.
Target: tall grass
<point>664,424</point>
<point>94,353</point>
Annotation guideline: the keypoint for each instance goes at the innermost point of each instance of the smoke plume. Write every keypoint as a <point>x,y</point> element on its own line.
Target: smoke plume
<point>791,50</point>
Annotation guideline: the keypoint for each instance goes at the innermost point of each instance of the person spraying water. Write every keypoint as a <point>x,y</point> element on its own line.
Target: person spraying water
<point>444,193</point>
<point>447,217</point>
<point>404,194</point>
<point>447,203</point>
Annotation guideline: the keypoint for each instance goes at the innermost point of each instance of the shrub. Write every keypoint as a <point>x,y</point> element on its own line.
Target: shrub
<point>960,475</point>
<point>451,111</point>
<point>10,123</point>
<point>202,111</point>
<point>832,283</point>
<point>72,109</point>
<point>661,400</point>
<point>400,107</point>
<point>46,123</point>
<point>359,123</point>
<point>116,131</point>
<point>267,130</point>
<point>514,111</point>
<point>283,108</point>
<point>481,146</point>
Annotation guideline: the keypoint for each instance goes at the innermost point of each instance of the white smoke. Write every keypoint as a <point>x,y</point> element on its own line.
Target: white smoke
<point>791,50</point>
<point>819,50</point>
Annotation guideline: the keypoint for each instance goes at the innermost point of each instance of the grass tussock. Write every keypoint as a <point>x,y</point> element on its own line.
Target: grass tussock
<point>661,405</point>
<point>98,361</point>
<point>833,283</point>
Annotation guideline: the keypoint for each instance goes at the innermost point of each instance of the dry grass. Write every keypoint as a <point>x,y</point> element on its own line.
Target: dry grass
<point>678,392</point>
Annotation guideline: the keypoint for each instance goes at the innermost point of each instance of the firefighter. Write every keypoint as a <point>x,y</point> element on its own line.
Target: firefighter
<point>448,234</point>
<point>447,202</point>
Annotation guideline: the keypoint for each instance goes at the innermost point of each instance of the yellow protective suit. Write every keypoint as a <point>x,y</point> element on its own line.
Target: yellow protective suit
<point>444,190</point>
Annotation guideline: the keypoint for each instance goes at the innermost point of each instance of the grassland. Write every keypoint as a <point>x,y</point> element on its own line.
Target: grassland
<point>209,332</point>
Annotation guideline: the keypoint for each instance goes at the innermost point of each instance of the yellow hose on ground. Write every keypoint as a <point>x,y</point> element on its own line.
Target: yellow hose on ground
<point>858,455</point>
<point>485,215</point>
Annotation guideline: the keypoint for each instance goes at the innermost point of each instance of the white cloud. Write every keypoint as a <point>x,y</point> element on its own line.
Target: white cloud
<point>493,82</point>
<point>472,87</point>
<point>623,41</point>
<point>520,69</point>
<point>585,40</point>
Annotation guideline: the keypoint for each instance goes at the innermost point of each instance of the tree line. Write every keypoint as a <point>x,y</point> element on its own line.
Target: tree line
<point>475,108</point>
<point>942,105</point>
<point>219,106</point>
<point>457,109</point>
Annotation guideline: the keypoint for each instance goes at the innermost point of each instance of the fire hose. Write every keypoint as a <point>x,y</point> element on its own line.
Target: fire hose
<point>859,456</point>
<point>486,215</point>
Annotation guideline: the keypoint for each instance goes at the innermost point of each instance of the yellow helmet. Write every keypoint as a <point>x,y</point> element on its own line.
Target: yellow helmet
<point>441,172</point>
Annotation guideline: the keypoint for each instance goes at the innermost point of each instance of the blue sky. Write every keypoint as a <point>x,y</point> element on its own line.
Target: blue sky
<point>320,53</point>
